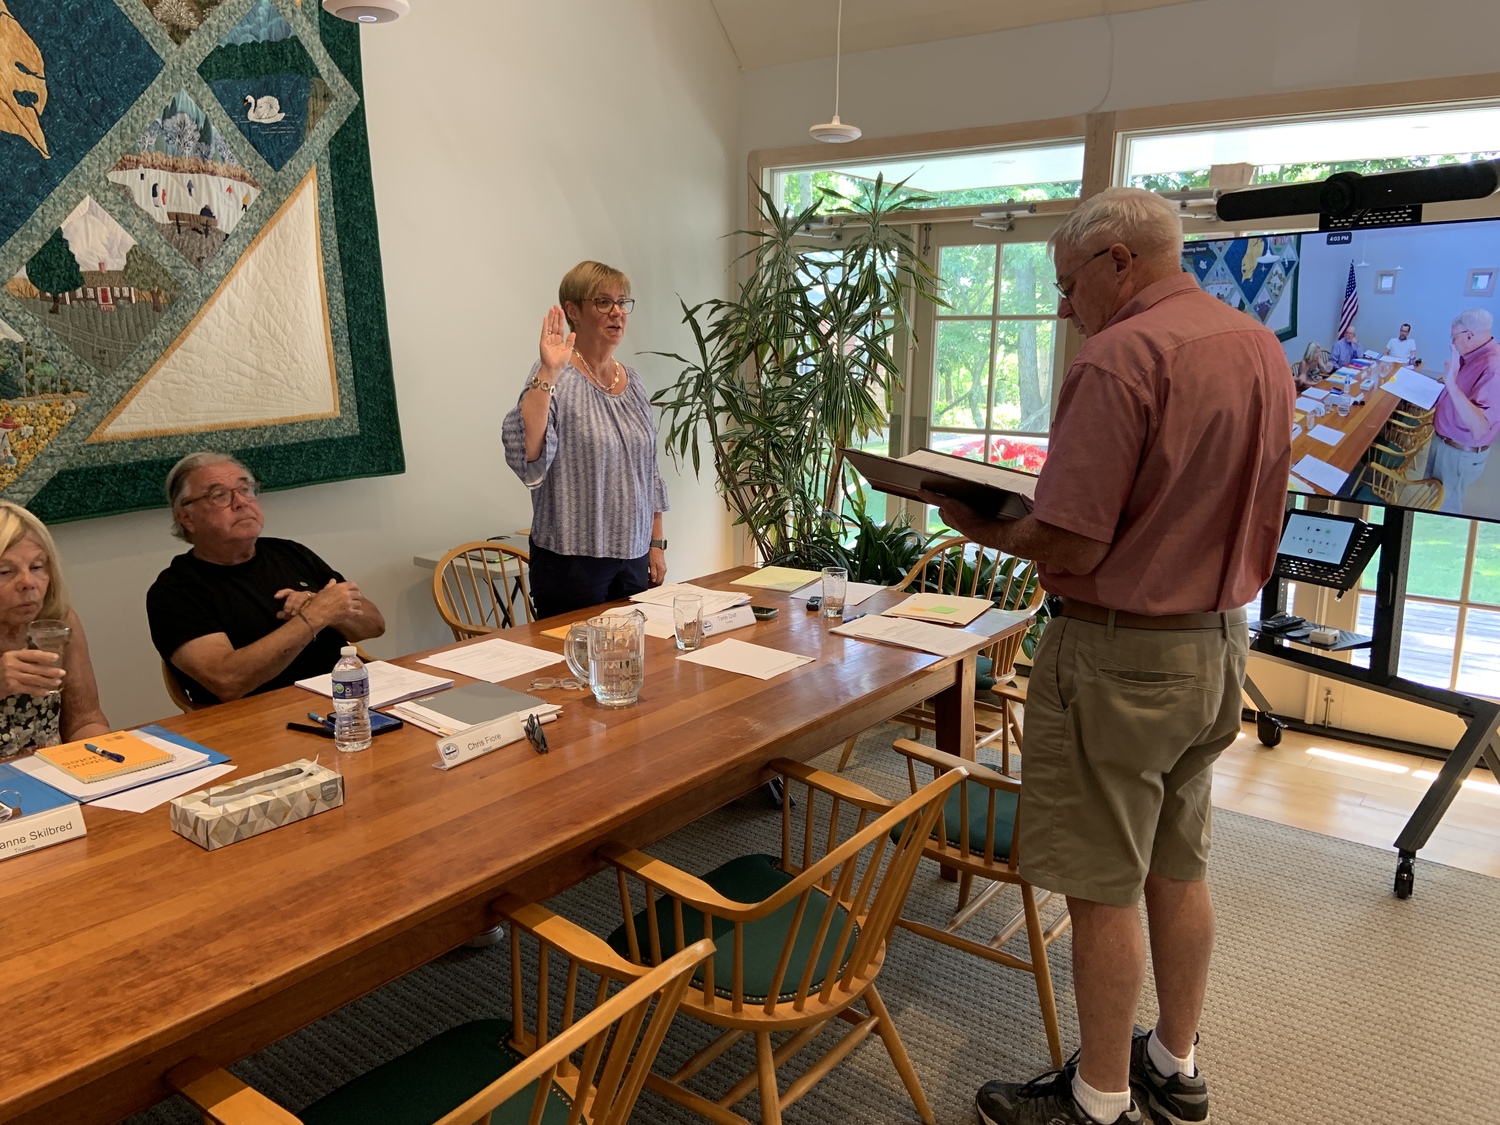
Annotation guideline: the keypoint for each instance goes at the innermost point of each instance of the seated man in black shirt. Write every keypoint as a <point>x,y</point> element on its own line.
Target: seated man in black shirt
<point>239,614</point>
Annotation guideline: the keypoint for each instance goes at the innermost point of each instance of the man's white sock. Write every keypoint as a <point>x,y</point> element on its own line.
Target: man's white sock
<point>1102,1107</point>
<point>1167,1064</point>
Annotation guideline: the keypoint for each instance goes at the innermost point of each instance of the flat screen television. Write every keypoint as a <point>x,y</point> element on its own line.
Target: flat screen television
<point>1376,422</point>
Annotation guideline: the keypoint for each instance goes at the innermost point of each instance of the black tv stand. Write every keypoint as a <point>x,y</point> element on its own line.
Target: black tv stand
<point>1481,716</point>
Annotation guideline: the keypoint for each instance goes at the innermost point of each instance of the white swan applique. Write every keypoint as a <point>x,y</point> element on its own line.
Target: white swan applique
<point>263,111</point>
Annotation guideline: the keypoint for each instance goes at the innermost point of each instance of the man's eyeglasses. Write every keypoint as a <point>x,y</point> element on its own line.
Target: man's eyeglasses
<point>604,304</point>
<point>535,735</point>
<point>220,497</point>
<point>1061,285</point>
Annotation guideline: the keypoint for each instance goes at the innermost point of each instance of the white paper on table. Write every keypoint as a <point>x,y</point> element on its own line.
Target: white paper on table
<point>1410,384</point>
<point>714,601</point>
<point>732,655</point>
<point>940,640</point>
<point>1311,406</point>
<point>1297,484</point>
<point>1316,393</point>
<point>1326,434</point>
<point>493,660</point>
<point>659,620</point>
<point>144,798</point>
<point>1321,473</point>
<point>183,761</point>
<point>389,683</point>
<point>854,592</point>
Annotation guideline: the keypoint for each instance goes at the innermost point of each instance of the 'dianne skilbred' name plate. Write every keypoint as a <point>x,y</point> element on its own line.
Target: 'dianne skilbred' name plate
<point>34,814</point>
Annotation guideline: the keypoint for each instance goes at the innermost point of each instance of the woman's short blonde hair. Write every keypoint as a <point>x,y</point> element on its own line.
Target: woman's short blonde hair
<point>16,523</point>
<point>584,280</point>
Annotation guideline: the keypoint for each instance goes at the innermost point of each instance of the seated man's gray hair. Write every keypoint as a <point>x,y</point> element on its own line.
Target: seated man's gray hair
<point>1478,321</point>
<point>177,480</point>
<point>1142,220</point>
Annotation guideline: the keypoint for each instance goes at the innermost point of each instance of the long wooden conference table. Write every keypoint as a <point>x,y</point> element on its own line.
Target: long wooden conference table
<point>131,949</point>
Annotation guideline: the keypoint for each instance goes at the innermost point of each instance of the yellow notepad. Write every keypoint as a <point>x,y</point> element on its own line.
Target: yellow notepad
<point>785,578</point>
<point>76,760</point>
<point>942,609</point>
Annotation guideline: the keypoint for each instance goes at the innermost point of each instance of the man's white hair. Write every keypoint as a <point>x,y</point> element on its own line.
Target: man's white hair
<point>1477,321</point>
<point>1145,222</point>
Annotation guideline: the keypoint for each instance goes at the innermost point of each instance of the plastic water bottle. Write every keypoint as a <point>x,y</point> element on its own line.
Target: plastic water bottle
<point>351,702</point>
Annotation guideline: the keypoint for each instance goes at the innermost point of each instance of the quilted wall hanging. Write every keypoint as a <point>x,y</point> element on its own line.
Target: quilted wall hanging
<point>1256,275</point>
<point>188,250</point>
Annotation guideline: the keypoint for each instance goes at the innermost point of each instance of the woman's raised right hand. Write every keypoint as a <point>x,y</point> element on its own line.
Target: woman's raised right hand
<point>29,671</point>
<point>557,342</point>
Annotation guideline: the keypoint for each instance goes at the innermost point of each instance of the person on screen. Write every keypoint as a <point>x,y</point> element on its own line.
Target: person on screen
<point>1156,519</point>
<point>241,614</point>
<point>1345,348</point>
<point>1311,369</point>
<point>1466,417</point>
<point>1402,346</point>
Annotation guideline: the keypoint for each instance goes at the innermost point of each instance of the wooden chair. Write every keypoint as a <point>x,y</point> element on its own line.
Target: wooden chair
<point>960,566</point>
<point>480,587</point>
<point>1394,487</point>
<point>176,692</point>
<point>584,1072</point>
<point>801,938</point>
<point>980,838</point>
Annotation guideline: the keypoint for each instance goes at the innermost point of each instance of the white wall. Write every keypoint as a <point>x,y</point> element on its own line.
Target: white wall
<point>1184,53</point>
<point>596,131</point>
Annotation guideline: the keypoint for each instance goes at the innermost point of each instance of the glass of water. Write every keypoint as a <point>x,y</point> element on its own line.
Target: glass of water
<point>687,621</point>
<point>835,586</point>
<point>609,652</point>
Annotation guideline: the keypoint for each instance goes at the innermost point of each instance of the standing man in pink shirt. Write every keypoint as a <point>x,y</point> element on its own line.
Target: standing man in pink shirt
<point>1156,519</point>
<point>1466,420</point>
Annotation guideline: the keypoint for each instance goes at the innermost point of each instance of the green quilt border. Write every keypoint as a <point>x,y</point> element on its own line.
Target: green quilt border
<point>93,491</point>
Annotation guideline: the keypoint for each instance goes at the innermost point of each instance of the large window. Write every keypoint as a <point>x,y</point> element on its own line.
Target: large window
<point>1029,173</point>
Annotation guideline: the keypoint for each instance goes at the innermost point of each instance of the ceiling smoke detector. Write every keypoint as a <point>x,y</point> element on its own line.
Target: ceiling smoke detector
<point>834,132</point>
<point>367,11</point>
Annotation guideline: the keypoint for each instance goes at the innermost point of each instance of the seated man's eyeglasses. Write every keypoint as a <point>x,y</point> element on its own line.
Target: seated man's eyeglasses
<point>604,304</point>
<point>220,497</point>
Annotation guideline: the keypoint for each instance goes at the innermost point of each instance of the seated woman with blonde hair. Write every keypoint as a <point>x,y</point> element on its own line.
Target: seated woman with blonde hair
<point>44,698</point>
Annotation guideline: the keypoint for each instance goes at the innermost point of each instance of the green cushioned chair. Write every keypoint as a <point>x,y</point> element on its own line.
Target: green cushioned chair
<point>983,810</point>
<point>979,818</point>
<point>436,1078</point>
<point>750,878</point>
<point>493,1070</point>
<point>800,936</point>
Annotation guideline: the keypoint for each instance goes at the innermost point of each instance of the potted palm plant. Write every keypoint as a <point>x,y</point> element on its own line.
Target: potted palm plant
<point>799,364</point>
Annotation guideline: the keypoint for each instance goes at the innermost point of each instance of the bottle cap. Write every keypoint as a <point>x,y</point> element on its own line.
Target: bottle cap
<point>348,650</point>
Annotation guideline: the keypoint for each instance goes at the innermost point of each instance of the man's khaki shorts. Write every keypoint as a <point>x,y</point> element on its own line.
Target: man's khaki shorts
<point>1122,729</point>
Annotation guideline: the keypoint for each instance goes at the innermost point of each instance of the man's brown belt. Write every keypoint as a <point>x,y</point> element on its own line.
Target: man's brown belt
<point>1098,615</point>
<point>1464,448</point>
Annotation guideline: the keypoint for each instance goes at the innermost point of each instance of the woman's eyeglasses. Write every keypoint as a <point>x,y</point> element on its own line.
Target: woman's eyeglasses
<point>604,304</point>
<point>547,683</point>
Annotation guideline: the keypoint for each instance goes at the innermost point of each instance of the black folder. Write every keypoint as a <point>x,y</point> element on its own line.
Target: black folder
<point>990,490</point>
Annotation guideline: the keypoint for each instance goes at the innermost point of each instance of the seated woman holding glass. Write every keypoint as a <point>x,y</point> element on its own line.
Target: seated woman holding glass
<point>1314,366</point>
<point>48,693</point>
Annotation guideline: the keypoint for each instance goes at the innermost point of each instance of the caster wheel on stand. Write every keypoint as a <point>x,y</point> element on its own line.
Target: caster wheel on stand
<point>1405,876</point>
<point>1268,729</point>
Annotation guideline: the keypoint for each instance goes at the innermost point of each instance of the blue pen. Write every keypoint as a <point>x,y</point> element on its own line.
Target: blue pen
<point>317,718</point>
<point>110,754</point>
<point>856,617</point>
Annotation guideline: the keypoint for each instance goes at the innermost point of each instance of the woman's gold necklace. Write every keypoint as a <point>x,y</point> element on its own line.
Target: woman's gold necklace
<point>589,371</point>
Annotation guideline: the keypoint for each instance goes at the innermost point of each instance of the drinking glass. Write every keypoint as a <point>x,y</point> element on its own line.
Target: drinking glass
<point>687,621</point>
<point>1345,402</point>
<point>48,634</point>
<point>835,584</point>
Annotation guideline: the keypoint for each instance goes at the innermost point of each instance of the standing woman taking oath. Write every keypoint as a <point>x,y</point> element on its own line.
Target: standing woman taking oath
<point>582,438</point>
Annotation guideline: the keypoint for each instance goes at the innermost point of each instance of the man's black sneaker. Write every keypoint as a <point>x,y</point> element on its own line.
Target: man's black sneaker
<point>1047,1100</point>
<point>1178,1100</point>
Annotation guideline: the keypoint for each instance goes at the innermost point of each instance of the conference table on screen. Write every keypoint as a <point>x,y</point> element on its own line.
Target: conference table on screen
<point>131,949</point>
<point>1360,427</point>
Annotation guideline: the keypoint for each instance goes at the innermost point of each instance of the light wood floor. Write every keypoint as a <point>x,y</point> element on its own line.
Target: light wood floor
<point>1366,800</point>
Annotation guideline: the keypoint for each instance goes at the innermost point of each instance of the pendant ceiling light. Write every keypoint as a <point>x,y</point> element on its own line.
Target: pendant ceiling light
<point>835,132</point>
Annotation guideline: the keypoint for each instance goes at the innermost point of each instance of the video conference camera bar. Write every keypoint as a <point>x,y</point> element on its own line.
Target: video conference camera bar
<point>1348,200</point>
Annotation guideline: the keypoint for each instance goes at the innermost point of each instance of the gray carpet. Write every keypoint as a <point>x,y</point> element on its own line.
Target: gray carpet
<point>1330,1002</point>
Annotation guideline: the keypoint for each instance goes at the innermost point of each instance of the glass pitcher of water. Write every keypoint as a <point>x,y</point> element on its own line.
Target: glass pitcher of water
<point>609,652</point>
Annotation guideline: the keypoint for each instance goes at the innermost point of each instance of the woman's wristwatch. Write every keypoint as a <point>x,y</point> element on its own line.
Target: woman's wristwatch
<point>659,544</point>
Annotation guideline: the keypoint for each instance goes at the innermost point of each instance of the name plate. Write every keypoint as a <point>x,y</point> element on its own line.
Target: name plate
<point>728,621</point>
<point>478,740</point>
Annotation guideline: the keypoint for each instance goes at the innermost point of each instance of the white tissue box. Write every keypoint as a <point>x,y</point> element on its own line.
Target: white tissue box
<point>212,826</point>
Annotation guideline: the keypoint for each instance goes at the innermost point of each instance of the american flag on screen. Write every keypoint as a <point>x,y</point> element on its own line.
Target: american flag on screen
<point>1351,305</point>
